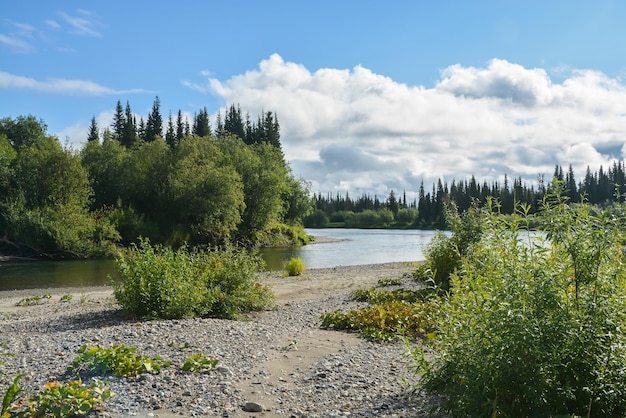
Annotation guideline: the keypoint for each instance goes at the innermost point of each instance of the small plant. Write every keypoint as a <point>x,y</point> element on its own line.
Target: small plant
<point>35,300</point>
<point>292,346</point>
<point>295,266</point>
<point>377,297</point>
<point>198,363</point>
<point>118,360</point>
<point>386,322</point>
<point>67,298</point>
<point>62,400</point>
<point>390,282</point>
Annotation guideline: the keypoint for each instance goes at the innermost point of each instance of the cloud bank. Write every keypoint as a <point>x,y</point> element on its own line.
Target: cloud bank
<point>357,131</point>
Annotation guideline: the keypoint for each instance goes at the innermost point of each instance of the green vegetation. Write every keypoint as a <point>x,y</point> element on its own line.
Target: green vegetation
<point>34,300</point>
<point>294,266</point>
<point>535,326</point>
<point>198,363</point>
<point>390,314</point>
<point>61,400</point>
<point>390,282</point>
<point>118,360</point>
<point>191,186</point>
<point>158,282</point>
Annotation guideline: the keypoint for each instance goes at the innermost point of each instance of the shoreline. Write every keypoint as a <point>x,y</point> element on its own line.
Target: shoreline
<point>279,359</point>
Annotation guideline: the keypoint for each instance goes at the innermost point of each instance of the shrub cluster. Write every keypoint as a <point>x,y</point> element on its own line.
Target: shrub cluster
<point>159,282</point>
<point>535,324</point>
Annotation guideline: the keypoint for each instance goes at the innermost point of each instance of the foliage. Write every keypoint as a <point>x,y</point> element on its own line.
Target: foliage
<point>444,253</point>
<point>386,321</point>
<point>62,400</point>
<point>317,219</point>
<point>10,395</point>
<point>158,282</point>
<point>390,282</point>
<point>536,327</point>
<point>33,300</point>
<point>294,266</point>
<point>198,363</point>
<point>119,360</point>
<point>379,297</point>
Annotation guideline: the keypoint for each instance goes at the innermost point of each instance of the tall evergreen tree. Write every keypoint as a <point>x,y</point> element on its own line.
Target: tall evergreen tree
<point>94,133</point>
<point>129,131</point>
<point>201,124</point>
<point>154,124</point>
<point>180,127</point>
<point>219,125</point>
<point>233,122</point>
<point>119,120</point>
<point>170,134</point>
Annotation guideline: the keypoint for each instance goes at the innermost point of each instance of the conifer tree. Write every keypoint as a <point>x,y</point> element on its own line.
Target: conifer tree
<point>119,120</point>
<point>233,122</point>
<point>154,124</point>
<point>170,134</point>
<point>180,127</point>
<point>94,134</point>
<point>129,132</point>
<point>201,124</point>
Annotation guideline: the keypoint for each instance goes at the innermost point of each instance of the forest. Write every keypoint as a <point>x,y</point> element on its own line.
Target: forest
<point>182,183</point>
<point>601,188</point>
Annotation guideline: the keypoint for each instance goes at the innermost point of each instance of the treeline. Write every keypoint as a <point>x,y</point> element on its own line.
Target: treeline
<point>203,187</point>
<point>427,210</point>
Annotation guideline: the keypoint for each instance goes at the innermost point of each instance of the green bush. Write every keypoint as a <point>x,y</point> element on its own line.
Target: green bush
<point>443,253</point>
<point>158,282</point>
<point>295,266</point>
<point>534,328</point>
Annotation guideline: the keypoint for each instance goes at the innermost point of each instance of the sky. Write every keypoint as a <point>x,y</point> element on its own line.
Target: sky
<point>371,96</point>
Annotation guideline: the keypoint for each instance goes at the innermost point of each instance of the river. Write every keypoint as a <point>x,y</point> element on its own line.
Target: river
<point>349,247</point>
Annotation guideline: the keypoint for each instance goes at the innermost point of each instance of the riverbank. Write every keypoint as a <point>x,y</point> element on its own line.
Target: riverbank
<point>278,359</point>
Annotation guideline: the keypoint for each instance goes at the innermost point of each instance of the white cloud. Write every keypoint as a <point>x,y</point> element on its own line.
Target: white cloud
<point>354,129</point>
<point>59,86</point>
<point>82,23</point>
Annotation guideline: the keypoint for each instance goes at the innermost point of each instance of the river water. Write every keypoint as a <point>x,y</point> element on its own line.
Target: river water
<point>349,247</point>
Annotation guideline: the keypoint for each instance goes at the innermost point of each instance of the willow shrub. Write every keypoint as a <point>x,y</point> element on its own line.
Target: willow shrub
<point>158,282</point>
<point>535,324</point>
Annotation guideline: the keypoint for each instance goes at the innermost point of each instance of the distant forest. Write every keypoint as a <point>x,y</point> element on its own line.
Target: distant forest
<point>598,188</point>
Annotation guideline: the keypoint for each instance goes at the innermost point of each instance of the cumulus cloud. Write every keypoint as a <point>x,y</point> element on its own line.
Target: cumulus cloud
<point>59,86</point>
<point>352,129</point>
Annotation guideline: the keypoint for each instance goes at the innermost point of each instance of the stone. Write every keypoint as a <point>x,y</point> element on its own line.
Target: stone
<point>253,407</point>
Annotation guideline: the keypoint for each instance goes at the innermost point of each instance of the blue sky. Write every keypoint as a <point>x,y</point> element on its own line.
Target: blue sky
<point>370,95</point>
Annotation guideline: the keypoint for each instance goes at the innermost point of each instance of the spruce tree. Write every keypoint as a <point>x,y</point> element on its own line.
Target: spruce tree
<point>94,134</point>
<point>119,120</point>
<point>180,127</point>
<point>233,122</point>
<point>129,132</point>
<point>154,124</point>
<point>170,134</point>
<point>201,124</point>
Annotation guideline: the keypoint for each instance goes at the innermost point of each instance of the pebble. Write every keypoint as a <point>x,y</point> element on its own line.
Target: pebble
<point>361,379</point>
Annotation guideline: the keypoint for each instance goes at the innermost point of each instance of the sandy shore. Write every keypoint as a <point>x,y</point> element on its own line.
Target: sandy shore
<point>279,359</point>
